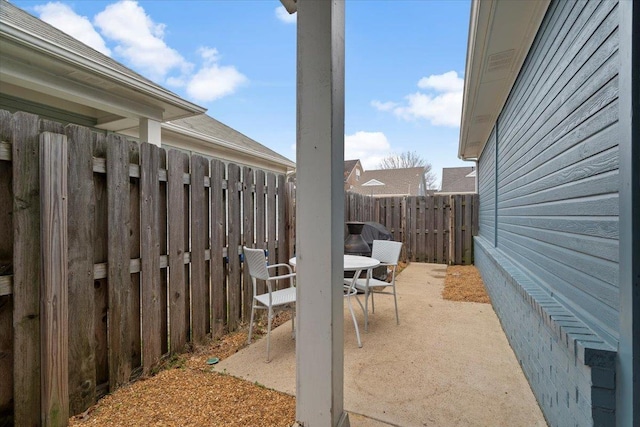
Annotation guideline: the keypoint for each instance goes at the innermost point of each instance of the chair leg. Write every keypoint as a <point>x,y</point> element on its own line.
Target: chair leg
<point>373,304</point>
<point>269,333</point>
<point>253,309</point>
<point>355,323</point>
<point>366,309</point>
<point>396,301</point>
<point>293,324</point>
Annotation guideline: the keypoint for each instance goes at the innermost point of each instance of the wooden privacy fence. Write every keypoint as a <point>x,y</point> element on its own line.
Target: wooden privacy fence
<point>113,254</point>
<point>436,229</point>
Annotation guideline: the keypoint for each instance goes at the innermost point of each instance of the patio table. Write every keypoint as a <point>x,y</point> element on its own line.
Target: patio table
<point>357,264</point>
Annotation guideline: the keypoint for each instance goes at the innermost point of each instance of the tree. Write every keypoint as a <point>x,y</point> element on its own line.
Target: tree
<point>411,159</point>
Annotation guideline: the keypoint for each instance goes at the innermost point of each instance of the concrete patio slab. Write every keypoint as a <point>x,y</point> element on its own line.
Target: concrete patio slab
<point>446,364</point>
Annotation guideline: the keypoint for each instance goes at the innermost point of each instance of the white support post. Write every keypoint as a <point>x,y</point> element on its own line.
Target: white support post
<point>320,213</point>
<point>150,131</point>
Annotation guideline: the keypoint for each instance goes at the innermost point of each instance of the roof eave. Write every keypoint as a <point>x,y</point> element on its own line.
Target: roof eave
<point>500,36</point>
<point>57,52</point>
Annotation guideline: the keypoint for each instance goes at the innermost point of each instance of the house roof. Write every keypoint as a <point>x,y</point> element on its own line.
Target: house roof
<point>500,35</point>
<point>458,180</point>
<point>38,60</point>
<point>405,181</point>
<point>348,167</point>
<point>208,129</point>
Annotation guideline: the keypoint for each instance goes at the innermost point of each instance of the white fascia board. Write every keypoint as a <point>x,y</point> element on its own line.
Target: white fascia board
<point>225,144</point>
<point>32,41</point>
<point>496,28</point>
<point>20,74</point>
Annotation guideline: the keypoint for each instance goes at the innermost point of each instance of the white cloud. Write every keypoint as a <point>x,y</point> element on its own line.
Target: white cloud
<point>441,107</point>
<point>64,18</point>
<point>284,16</point>
<point>383,106</point>
<point>213,81</point>
<point>369,147</point>
<point>139,40</point>
<point>447,82</point>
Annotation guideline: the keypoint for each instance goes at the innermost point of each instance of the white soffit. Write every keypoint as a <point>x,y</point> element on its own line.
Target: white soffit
<point>500,35</point>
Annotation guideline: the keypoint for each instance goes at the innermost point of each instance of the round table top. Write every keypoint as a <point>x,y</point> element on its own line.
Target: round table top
<point>352,262</point>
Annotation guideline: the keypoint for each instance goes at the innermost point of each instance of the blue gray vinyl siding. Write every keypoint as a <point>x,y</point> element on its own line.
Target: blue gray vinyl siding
<point>486,190</point>
<point>549,252</point>
<point>558,163</point>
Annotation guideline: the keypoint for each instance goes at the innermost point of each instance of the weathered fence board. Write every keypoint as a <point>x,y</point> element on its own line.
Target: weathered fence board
<point>218,279</point>
<point>150,255</point>
<point>26,271</point>
<point>283,246</point>
<point>6,269</point>
<point>234,235</point>
<point>100,255</point>
<point>118,261</point>
<point>81,236</point>
<point>54,294</point>
<point>199,287</point>
<point>271,219</point>
<point>260,204</point>
<point>164,251</point>
<point>178,323</point>
<point>248,215</point>
<point>135,301</point>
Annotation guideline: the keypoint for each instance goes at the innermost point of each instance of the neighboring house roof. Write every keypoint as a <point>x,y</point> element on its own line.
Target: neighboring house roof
<point>349,165</point>
<point>500,35</point>
<point>392,182</point>
<point>43,64</point>
<point>458,180</point>
<point>212,131</point>
<point>47,72</point>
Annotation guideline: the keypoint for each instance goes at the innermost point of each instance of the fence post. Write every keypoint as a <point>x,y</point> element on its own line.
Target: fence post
<point>54,348</point>
<point>26,279</point>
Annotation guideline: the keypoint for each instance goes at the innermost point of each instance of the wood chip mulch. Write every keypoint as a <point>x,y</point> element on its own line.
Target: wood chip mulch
<point>186,392</point>
<point>464,283</point>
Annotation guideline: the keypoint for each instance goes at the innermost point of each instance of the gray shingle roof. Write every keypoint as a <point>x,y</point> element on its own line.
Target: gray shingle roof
<point>208,126</point>
<point>407,181</point>
<point>455,180</point>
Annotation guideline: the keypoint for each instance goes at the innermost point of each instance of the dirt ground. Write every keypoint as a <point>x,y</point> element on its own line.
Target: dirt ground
<point>186,392</point>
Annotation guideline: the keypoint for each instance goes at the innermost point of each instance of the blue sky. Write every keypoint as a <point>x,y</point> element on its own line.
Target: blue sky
<point>404,65</point>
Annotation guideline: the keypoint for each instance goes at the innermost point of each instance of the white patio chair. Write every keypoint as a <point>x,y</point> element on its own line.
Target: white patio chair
<point>283,299</point>
<point>388,253</point>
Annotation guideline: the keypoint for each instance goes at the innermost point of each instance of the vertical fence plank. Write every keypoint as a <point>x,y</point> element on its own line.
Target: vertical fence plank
<point>199,236</point>
<point>430,228</point>
<point>234,222</point>
<point>448,223</point>
<point>118,260</point>
<point>164,251</point>
<point>458,226</point>
<point>291,217</point>
<point>178,312</point>
<point>100,255</point>
<point>261,212</point>
<point>271,217</point>
<point>467,241</point>
<point>187,241</point>
<point>247,232</point>
<point>421,212</point>
<point>134,295</point>
<point>439,228</point>
<point>26,278</point>
<point>150,255</point>
<point>218,283</point>
<point>412,227</point>
<point>283,247</point>
<point>54,347</point>
<point>6,268</point>
<point>81,233</point>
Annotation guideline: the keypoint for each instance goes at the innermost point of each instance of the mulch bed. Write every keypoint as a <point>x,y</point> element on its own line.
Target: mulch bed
<point>464,283</point>
<point>186,392</point>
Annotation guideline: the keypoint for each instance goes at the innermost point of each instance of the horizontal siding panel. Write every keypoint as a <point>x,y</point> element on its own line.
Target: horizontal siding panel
<point>591,247</point>
<point>599,300</point>
<point>588,226</point>
<point>589,167</point>
<point>600,184</point>
<point>573,64</point>
<point>539,60</point>
<point>598,142</point>
<point>598,205</point>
